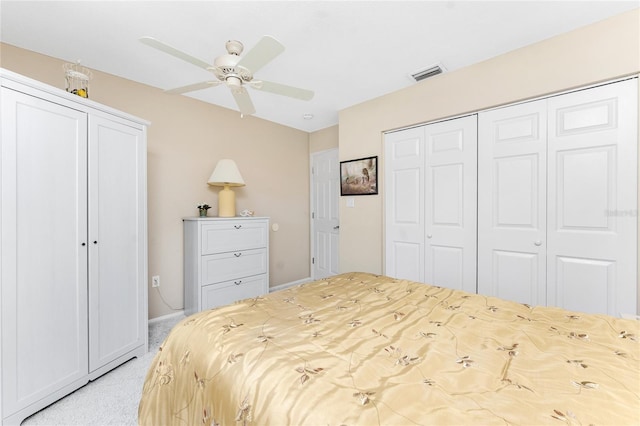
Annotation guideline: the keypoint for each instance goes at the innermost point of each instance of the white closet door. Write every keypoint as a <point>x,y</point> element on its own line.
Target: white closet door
<point>592,206</point>
<point>404,204</point>
<point>117,239</point>
<point>512,203</point>
<point>450,203</point>
<point>44,255</point>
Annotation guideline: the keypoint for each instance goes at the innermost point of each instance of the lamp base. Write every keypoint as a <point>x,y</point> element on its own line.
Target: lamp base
<point>226,202</point>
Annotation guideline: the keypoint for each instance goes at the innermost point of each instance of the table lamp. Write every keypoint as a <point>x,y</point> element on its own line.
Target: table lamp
<point>226,174</point>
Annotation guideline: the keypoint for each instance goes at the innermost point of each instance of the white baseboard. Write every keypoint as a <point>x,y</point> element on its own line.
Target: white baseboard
<point>631,316</point>
<point>179,313</point>
<point>291,284</point>
<point>271,290</point>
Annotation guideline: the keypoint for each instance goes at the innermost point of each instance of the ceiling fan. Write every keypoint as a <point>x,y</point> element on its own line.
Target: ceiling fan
<point>236,71</point>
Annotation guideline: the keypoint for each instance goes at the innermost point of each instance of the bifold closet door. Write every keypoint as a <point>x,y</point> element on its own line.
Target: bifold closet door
<point>43,263</point>
<point>592,200</point>
<point>557,207</point>
<point>404,204</point>
<point>430,203</point>
<point>450,203</point>
<point>512,203</point>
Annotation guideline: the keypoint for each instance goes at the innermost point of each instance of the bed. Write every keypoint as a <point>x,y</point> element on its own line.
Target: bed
<point>364,349</point>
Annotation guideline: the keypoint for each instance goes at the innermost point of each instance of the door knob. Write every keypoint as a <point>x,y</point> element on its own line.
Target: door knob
<point>538,243</point>
<point>429,235</point>
<point>336,227</point>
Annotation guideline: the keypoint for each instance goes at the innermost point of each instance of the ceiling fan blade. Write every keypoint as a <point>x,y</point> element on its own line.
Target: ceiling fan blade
<point>244,102</point>
<point>193,87</point>
<point>156,44</point>
<point>261,54</point>
<point>284,90</point>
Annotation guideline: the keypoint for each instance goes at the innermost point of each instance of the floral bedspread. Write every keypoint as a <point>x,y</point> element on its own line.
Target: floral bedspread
<point>361,349</point>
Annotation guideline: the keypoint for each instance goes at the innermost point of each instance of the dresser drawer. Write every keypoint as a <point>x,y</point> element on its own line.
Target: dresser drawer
<point>227,292</point>
<point>232,265</point>
<point>233,235</point>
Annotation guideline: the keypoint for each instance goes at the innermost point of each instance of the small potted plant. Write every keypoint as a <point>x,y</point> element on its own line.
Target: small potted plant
<point>202,208</point>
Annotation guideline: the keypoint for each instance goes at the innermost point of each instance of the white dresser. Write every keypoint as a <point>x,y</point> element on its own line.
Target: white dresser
<point>225,260</point>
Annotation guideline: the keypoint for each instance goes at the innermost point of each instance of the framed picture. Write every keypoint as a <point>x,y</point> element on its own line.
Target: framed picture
<point>359,177</point>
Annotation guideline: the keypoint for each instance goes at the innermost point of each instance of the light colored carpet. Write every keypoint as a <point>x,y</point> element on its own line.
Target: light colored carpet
<point>111,399</point>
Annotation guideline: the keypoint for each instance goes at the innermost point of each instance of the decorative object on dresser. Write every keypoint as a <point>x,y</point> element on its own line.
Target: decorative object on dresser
<point>225,260</point>
<point>202,209</point>
<point>226,174</point>
<point>73,288</point>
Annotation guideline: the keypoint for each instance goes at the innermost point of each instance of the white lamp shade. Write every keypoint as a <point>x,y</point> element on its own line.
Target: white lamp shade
<point>226,173</point>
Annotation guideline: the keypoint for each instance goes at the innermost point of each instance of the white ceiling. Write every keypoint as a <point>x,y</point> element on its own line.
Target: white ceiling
<point>346,51</point>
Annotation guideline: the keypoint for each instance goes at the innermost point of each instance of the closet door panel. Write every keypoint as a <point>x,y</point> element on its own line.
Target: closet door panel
<point>515,274</point>
<point>582,282</point>
<point>593,199</point>
<point>44,255</point>
<point>450,203</point>
<point>116,239</point>
<point>447,266</point>
<point>404,204</point>
<point>512,203</point>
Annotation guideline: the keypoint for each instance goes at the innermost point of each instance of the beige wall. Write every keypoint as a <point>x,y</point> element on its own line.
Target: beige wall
<point>599,52</point>
<point>185,140</point>
<point>323,139</point>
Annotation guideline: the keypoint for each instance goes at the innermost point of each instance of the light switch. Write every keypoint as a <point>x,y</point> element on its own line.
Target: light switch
<point>351,202</point>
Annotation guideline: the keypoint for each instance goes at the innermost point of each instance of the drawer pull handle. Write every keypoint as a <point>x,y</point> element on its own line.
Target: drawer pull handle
<point>237,226</point>
<point>237,254</point>
<point>237,282</point>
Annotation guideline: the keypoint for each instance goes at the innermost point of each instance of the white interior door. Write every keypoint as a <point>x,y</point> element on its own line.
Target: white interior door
<point>404,204</point>
<point>325,223</point>
<point>512,203</point>
<point>592,207</point>
<point>44,254</point>
<point>450,203</point>
<point>116,240</point>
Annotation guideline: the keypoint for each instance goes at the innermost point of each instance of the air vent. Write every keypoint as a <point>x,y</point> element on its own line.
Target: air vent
<point>428,72</point>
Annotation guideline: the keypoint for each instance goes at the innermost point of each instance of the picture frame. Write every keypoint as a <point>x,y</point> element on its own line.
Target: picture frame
<point>359,176</point>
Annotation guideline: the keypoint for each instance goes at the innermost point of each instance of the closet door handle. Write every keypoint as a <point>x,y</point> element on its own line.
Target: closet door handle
<point>237,254</point>
<point>538,243</point>
<point>84,244</point>
<point>237,226</point>
<point>237,282</point>
<point>429,236</point>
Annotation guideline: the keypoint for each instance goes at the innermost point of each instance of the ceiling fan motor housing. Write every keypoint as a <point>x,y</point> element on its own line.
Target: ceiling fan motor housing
<point>225,66</point>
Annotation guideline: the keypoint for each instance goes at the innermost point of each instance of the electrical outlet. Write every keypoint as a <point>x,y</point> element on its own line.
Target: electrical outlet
<point>155,281</point>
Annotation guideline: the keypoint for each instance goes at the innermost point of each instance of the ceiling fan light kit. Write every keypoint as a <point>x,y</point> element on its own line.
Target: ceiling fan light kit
<point>236,71</point>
